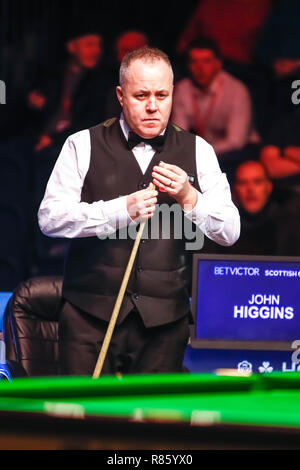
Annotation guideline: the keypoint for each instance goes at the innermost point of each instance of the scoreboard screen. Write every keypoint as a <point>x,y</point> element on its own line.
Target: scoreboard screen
<point>245,302</point>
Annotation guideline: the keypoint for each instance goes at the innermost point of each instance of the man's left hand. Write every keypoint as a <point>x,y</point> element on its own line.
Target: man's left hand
<point>174,181</point>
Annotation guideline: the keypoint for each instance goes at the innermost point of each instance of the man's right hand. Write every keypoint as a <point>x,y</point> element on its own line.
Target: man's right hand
<point>141,205</point>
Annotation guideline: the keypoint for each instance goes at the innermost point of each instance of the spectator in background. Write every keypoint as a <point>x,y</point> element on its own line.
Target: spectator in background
<point>215,105</point>
<point>127,41</point>
<point>64,97</point>
<point>281,154</point>
<point>267,227</point>
<point>72,97</point>
<point>233,24</point>
<point>235,27</point>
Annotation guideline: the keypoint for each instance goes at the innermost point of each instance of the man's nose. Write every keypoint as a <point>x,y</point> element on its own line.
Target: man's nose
<point>250,189</point>
<point>151,104</point>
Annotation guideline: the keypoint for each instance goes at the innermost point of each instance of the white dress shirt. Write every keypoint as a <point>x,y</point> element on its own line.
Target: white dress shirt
<point>62,214</point>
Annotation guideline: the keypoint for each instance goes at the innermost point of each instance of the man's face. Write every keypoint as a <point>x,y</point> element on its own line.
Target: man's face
<point>203,65</point>
<point>146,97</point>
<point>252,187</point>
<point>87,50</point>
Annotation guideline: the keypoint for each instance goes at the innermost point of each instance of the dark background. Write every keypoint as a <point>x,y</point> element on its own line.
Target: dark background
<point>32,32</point>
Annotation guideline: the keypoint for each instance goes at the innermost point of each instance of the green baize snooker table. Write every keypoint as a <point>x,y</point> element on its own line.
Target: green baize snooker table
<point>162,411</point>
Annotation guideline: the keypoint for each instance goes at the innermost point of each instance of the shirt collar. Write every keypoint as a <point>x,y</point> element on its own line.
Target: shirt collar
<point>124,126</point>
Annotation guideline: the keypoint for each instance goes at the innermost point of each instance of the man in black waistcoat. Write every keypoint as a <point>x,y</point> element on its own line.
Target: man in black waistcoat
<point>98,194</point>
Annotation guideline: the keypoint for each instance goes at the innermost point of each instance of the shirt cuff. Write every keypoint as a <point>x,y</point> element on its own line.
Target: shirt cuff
<point>210,224</point>
<point>116,213</point>
<point>198,212</point>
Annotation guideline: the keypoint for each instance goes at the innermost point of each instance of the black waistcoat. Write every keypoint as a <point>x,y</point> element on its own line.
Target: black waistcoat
<point>160,280</point>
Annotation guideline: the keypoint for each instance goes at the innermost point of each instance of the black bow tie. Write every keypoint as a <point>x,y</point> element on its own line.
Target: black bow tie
<point>156,142</point>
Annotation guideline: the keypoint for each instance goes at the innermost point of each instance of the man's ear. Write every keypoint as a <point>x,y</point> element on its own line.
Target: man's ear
<point>120,94</point>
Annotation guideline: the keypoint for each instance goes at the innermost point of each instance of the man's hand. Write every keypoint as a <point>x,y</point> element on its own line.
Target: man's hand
<point>277,164</point>
<point>174,181</point>
<point>141,205</point>
<point>292,153</point>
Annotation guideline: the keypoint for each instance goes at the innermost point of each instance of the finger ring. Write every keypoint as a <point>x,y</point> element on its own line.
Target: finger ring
<point>171,182</point>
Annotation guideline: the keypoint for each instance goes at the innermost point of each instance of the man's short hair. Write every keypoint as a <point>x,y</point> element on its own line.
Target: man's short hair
<point>205,43</point>
<point>147,54</point>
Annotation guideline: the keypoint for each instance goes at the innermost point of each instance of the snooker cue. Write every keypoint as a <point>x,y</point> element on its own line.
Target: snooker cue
<point>119,300</point>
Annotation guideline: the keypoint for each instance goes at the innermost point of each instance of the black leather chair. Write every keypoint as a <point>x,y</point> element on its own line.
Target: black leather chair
<point>30,327</point>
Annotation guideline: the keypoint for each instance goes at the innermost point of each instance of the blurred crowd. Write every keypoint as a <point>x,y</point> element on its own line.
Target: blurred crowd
<point>236,66</point>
